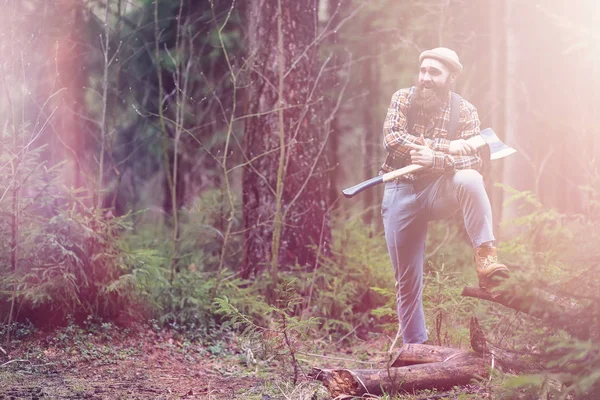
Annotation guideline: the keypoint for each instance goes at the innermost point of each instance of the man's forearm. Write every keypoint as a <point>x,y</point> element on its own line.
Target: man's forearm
<point>396,141</point>
<point>463,162</point>
<point>440,144</point>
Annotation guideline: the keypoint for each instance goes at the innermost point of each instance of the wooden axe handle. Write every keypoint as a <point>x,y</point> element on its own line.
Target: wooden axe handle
<point>397,173</point>
<point>477,141</point>
<point>390,176</point>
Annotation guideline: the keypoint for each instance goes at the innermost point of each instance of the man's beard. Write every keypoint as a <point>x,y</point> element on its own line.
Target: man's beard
<point>431,99</point>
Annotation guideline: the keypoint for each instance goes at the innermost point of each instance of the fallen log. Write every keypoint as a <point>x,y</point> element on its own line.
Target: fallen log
<point>420,366</point>
<point>556,312</point>
<point>460,368</point>
<point>506,360</point>
<point>413,354</point>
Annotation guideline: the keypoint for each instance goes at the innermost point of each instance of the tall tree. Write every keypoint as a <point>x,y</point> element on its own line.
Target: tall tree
<point>285,196</point>
<point>371,138</point>
<point>69,53</point>
<point>330,15</point>
<point>497,45</point>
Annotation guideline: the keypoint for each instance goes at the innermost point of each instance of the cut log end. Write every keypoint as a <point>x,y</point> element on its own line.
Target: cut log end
<point>459,369</point>
<point>420,366</point>
<point>338,382</point>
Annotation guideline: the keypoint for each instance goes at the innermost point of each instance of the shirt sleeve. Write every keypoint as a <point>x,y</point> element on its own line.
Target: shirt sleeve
<point>470,121</point>
<point>441,144</point>
<point>470,126</point>
<point>395,134</point>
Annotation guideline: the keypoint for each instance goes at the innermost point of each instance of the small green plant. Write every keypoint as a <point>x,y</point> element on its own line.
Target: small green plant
<point>279,338</point>
<point>19,330</point>
<point>558,254</point>
<point>93,340</point>
<point>352,281</point>
<point>448,311</point>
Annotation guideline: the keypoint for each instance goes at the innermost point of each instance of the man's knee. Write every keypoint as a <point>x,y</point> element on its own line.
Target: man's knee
<point>469,180</point>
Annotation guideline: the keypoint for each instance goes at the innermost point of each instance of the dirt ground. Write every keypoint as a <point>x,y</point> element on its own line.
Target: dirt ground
<point>133,365</point>
<point>146,364</point>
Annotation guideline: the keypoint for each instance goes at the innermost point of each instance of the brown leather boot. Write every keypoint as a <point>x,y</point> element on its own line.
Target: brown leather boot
<point>487,266</point>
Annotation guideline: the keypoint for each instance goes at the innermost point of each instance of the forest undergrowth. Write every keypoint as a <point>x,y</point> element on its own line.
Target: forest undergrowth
<point>80,274</point>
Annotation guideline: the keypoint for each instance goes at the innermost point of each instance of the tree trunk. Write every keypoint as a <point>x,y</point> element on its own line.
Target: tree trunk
<point>556,312</point>
<point>297,170</point>
<point>69,53</point>
<point>517,171</point>
<point>372,132</point>
<point>420,366</point>
<point>496,102</point>
<point>179,187</point>
<point>330,13</point>
<point>413,354</point>
<point>460,370</point>
<point>508,361</point>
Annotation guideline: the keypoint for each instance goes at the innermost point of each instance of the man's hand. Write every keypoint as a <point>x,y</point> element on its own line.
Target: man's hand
<point>461,147</point>
<point>421,154</point>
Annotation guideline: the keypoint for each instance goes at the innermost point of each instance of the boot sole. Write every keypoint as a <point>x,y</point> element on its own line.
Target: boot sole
<point>493,279</point>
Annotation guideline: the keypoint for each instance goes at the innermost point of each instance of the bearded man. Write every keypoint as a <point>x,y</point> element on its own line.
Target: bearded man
<point>428,125</point>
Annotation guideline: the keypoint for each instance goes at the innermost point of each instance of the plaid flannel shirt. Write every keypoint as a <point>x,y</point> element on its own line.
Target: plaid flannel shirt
<point>435,131</point>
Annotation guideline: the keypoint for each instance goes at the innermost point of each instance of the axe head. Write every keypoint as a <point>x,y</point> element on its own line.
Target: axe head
<point>497,148</point>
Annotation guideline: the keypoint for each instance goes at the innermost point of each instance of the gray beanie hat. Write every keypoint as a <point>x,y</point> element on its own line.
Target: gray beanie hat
<point>445,55</point>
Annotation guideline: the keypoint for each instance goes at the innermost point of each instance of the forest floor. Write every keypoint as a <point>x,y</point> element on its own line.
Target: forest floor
<point>146,363</point>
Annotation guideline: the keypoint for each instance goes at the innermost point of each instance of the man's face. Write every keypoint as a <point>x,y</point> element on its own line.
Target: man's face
<point>435,76</point>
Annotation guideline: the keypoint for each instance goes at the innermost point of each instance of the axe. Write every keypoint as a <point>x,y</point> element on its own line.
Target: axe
<point>486,137</point>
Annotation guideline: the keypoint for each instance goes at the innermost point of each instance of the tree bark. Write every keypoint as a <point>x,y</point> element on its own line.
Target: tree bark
<point>495,101</point>
<point>508,361</point>
<point>413,354</point>
<point>71,76</point>
<point>331,13</point>
<point>556,312</point>
<point>460,370</point>
<point>420,366</point>
<point>304,198</point>
<point>517,171</point>
<point>371,137</point>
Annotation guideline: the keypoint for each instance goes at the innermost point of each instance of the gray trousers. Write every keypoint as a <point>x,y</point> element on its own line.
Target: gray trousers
<point>407,208</point>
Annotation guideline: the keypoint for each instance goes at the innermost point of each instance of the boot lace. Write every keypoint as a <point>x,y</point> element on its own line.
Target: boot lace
<point>489,260</point>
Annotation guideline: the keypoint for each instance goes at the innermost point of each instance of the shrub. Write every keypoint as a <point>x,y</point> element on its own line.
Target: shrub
<point>60,256</point>
<point>559,254</point>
